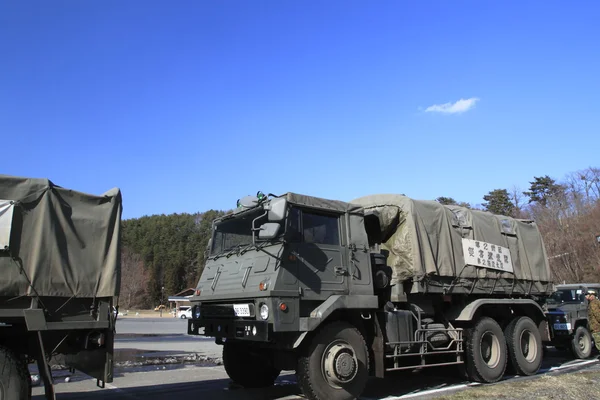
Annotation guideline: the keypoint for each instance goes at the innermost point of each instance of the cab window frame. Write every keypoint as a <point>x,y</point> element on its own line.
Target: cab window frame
<point>299,235</point>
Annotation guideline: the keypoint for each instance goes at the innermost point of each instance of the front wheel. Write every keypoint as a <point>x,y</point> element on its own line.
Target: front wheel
<point>335,365</point>
<point>247,366</point>
<point>581,344</point>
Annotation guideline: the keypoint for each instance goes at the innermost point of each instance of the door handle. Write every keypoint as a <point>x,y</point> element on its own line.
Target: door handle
<point>340,271</point>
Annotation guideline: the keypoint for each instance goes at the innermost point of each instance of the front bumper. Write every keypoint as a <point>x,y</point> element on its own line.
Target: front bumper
<point>257,331</point>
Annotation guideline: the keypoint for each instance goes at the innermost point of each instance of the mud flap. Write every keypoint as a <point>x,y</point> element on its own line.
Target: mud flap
<point>97,363</point>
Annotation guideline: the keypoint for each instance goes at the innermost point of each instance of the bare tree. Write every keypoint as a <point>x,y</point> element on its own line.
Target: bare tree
<point>518,199</point>
<point>134,279</point>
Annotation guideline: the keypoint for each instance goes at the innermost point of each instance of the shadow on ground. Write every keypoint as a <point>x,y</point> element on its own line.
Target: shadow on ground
<point>395,384</point>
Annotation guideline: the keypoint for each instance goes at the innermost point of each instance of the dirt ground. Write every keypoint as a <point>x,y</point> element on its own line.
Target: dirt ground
<point>574,385</point>
<point>145,314</point>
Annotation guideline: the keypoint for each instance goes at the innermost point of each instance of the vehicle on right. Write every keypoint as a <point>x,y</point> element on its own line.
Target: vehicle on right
<point>568,318</point>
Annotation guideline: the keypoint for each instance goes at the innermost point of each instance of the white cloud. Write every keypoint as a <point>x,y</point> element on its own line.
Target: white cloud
<point>457,107</point>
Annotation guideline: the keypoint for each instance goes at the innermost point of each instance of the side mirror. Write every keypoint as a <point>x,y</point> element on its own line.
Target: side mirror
<point>269,230</point>
<point>277,208</point>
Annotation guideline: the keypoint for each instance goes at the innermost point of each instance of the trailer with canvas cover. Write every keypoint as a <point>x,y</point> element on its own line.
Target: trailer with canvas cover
<point>340,291</point>
<point>60,261</point>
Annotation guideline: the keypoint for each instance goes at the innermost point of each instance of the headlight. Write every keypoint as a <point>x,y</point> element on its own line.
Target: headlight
<point>264,312</point>
<point>197,312</point>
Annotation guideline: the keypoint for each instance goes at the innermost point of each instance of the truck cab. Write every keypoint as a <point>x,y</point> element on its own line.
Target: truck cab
<point>567,313</point>
<point>276,269</point>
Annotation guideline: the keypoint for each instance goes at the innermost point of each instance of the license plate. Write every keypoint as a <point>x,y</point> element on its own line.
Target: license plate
<point>562,327</point>
<point>241,310</point>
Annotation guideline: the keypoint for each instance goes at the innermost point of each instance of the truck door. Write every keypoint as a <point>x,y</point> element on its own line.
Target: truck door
<point>317,245</point>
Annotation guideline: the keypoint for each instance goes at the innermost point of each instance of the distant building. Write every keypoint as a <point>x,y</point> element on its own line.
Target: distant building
<point>181,299</point>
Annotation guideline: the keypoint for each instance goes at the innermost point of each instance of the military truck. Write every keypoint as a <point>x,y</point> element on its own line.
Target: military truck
<point>343,291</point>
<point>60,262</point>
<point>568,317</point>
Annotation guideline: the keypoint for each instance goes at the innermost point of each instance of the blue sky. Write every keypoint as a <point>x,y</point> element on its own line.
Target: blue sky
<point>190,105</point>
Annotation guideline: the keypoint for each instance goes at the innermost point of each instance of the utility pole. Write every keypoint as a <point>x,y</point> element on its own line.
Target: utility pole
<point>162,296</point>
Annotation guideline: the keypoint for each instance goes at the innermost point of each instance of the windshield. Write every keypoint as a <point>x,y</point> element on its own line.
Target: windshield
<point>236,232</point>
<point>567,296</point>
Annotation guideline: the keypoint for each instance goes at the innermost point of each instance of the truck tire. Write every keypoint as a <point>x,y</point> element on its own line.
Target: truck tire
<point>581,344</point>
<point>14,377</point>
<point>335,364</point>
<point>524,346</point>
<point>486,356</point>
<point>248,368</point>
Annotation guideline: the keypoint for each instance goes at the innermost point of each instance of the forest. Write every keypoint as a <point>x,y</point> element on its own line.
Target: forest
<point>169,250</point>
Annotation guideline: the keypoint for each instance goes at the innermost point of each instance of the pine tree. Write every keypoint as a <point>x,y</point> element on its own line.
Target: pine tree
<point>498,202</point>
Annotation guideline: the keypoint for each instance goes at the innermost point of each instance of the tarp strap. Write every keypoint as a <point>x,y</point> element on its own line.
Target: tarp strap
<point>19,263</point>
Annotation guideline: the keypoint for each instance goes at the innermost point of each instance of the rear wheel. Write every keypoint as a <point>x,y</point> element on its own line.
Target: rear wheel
<point>14,377</point>
<point>524,346</point>
<point>486,351</point>
<point>248,367</point>
<point>335,366</point>
<point>581,344</point>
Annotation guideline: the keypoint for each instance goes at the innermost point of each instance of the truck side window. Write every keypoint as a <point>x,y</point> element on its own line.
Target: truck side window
<point>294,232</point>
<point>319,228</point>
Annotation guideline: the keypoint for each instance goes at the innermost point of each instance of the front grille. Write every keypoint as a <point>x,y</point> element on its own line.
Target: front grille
<point>222,310</point>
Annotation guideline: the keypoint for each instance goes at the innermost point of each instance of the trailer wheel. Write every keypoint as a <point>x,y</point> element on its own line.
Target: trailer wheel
<point>581,344</point>
<point>486,351</point>
<point>524,346</point>
<point>335,365</point>
<point>248,367</point>
<point>14,377</point>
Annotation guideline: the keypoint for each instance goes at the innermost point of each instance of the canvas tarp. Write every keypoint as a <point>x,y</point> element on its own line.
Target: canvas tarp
<point>60,242</point>
<point>425,238</point>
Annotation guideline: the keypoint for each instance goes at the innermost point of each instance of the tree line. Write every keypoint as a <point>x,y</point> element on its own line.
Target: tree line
<point>169,250</point>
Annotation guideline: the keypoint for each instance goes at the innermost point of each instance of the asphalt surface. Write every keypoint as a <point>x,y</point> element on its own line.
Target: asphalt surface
<point>151,326</point>
<point>126,348</point>
<point>211,382</point>
<point>139,339</point>
<point>155,367</point>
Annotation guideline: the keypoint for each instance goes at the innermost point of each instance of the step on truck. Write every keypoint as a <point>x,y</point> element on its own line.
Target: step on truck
<point>60,262</point>
<point>339,292</point>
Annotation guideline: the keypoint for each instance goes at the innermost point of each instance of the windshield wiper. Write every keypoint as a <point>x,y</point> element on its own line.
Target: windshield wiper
<point>233,250</point>
<point>239,250</point>
<point>246,248</point>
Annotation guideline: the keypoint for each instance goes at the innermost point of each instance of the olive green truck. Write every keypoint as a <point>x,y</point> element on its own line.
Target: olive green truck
<point>339,292</point>
<point>60,263</point>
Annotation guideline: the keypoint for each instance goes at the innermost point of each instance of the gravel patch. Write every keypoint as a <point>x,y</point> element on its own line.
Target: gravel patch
<point>573,385</point>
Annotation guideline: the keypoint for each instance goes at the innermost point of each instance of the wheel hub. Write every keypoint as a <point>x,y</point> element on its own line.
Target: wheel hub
<point>340,364</point>
<point>344,365</point>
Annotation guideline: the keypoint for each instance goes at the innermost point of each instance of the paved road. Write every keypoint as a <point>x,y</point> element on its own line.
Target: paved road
<point>211,382</point>
<point>148,326</point>
<point>143,338</point>
<point>130,348</point>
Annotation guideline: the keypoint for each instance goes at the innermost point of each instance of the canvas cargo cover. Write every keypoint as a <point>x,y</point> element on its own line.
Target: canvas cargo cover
<point>426,238</point>
<point>58,242</point>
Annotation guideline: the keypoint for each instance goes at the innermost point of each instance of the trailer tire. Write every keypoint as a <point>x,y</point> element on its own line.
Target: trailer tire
<point>14,377</point>
<point>486,356</point>
<point>335,366</point>
<point>248,368</point>
<point>524,346</point>
<point>581,344</point>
